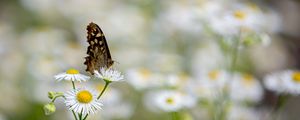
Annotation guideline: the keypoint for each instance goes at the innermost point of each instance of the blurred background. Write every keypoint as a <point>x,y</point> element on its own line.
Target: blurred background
<point>150,39</point>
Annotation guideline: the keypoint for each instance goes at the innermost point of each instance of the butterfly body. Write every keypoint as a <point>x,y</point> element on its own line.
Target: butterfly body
<point>98,51</point>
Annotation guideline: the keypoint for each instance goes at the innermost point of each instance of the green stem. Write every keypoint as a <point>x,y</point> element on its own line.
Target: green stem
<point>53,99</point>
<point>220,108</point>
<point>80,115</point>
<point>73,84</point>
<point>223,104</point>
<point>57,96</point>
<point>281,101</point>
<point>106,85</point>
<point>72,110</point>
<point>74,88</point>
<point>85,117</point>
<point>174,116</point>
<point>235,53</point>
<point>64,98</point>
<point>74,115</point>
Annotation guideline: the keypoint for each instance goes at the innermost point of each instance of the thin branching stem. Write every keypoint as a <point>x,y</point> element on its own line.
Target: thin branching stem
<point>74,115</point>
<point>103,90</point>
<point>74,88</point>
<point>73,84</point>
<point>224,101</point>
<point>106,85</point>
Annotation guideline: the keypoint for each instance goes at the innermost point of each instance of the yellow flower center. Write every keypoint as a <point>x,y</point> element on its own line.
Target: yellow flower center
<point>248,79</point>
<point>72,71</point>
<point>240,15</point>
<point>145,73</point>
<point>296,77</point>
<point>84,96</point>
<point>213,75</point>
<point>170,100</point>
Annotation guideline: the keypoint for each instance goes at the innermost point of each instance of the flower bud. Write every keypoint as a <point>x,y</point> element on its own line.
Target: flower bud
<point>51,94</point>
<point>49,108</point>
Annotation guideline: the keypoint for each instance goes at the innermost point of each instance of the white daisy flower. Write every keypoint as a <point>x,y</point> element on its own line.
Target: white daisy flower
<point>141,78</point>
<point>217,78</point>
<point>71,74</point>
<point>82,100</point>
<point>209,84</point>
<point>168,100</point>
<point>291,81</point>
<point>109,74</point>
<point>246,88</point>
<point>243,16</point>
<point>287,81</point>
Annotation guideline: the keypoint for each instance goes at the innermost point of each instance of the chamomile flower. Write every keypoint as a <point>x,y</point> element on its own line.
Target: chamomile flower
<point>242,17</point>
<point>71,74</point>
<point>164,101</point>
<point>168,100</point>
<point>217,78</point>
<point>291,81</point>
<point>208,84</point>
<point>245,87</point>
<point>110,75</point>
<point>284,82</point>
<point>82,100</point>
<point>141,78</point>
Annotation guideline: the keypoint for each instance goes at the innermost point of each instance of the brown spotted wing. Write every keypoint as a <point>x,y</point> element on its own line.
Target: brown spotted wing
<point>98,51</point>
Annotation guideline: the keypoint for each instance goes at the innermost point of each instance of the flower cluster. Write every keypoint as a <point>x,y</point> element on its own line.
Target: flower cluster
<point>82,101</point>
<point>175,92</point>
<point>201,59</point>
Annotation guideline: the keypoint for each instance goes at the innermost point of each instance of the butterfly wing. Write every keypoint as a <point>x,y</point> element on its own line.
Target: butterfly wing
<point>98,51</point>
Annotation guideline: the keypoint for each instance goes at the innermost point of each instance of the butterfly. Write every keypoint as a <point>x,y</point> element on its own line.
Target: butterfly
<point>98,51</point>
